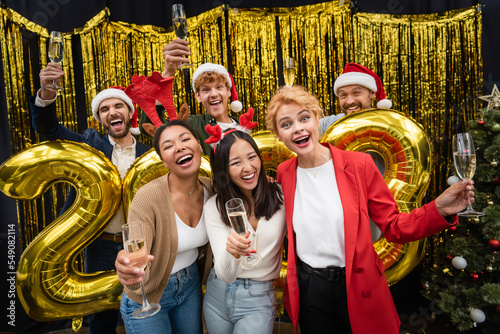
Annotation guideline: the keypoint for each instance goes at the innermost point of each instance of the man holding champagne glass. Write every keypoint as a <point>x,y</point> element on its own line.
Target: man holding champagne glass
<point>213,87</point>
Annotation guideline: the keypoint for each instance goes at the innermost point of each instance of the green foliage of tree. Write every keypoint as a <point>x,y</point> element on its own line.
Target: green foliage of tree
<point>477,286</point>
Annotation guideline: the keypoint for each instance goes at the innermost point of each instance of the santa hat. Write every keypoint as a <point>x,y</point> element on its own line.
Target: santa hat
<point>119,93</point>
<point>355,74</point>
<point>236,105</point>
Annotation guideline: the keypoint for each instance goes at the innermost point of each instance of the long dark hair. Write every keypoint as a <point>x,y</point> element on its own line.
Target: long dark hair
<point>267,196</point>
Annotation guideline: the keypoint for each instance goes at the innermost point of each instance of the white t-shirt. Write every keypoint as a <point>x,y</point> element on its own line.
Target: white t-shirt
<point>318,220</point>
<point>189,239</point>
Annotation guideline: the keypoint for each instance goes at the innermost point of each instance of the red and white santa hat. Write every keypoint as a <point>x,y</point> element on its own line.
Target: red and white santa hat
<point>119,93</point>
<point>355,74</point>
<point>236,105</point>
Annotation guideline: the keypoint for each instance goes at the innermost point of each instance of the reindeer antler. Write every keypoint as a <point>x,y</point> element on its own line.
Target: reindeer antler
<point>246,120</point>
<point>163,93</point>
<point>138,94</point>
<point>214,132</point>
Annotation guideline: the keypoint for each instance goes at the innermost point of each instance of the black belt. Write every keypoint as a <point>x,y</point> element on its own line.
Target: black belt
<point>330,273</point>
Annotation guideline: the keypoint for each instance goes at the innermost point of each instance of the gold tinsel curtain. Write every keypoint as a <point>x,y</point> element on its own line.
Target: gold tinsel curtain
<point>114,51</point>
<point>431,66</point>
<point>23,41</point>
<point>318,37</point>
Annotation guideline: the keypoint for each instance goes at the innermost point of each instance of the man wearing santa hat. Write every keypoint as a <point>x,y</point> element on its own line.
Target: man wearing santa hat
<point>116,112</point>
<point>213,87</point>
<point>356,87</point>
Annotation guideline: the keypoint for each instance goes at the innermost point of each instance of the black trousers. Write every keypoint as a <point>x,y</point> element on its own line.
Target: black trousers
<point>323,300</point>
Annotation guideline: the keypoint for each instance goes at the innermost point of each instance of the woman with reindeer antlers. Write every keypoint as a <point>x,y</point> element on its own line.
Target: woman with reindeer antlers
<point>239,300</point>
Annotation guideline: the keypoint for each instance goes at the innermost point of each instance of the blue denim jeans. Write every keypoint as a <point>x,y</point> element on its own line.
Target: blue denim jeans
<point>244,306</point>
<point>180,307</point>
<point>100,255</point>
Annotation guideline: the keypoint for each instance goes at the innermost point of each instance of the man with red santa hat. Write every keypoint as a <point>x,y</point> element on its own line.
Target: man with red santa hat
<point>356,87</point>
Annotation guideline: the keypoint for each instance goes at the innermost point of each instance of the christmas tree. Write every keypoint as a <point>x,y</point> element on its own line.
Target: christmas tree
<point>464,282</point>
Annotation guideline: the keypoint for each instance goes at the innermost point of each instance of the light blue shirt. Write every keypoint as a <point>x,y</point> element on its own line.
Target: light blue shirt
<point>327,121</point>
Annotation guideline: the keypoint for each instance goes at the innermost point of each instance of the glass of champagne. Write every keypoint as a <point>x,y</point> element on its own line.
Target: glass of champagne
<point>289,71</point>
<point>180,26</point>
<point>238,218</point>
<point>137,253</point>
<point>56,55</point>
<point>464,157</point>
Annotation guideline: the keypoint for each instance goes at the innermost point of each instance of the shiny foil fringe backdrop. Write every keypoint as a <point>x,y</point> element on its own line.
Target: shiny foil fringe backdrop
<point>431,66</point>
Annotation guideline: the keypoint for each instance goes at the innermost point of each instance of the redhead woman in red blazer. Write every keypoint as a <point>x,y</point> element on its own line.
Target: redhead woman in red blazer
<point>334,276</point>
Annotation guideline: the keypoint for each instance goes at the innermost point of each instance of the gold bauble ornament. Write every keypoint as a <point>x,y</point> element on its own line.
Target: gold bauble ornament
<point>494,163</point>
<point>495,128</point>
<point>490,203</point>
<point>489,269</point>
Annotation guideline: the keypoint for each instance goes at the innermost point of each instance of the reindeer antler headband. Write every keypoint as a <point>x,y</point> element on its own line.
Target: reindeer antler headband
<point>216,134</point>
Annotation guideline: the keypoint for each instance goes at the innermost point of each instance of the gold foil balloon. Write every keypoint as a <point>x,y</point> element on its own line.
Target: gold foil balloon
<point>273,150</point>
<point>147,168</point>
<point>402,151</point>
<point>47,284</point>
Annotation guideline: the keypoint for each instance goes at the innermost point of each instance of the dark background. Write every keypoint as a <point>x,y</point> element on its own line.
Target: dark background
<point>66,15</point>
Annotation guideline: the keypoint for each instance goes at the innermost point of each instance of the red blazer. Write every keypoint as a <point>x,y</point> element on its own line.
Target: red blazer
<point>364,194</point>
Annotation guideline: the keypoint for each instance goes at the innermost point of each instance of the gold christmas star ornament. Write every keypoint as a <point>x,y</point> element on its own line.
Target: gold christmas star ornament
<point>493,99</point>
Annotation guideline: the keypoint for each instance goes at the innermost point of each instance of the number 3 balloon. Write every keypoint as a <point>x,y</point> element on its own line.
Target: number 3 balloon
<point>401,149</point>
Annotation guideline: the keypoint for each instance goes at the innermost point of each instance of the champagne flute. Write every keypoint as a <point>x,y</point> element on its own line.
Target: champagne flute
<point>56,55</point>
<point>464,157</point>
<point>180,26</point>
<point>238,218</point>
<point>289,71</point>
<point>137,253</point>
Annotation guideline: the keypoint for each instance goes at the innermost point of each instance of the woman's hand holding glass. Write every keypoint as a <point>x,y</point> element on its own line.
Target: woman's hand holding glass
<point>455,198</point>
<point>464,157</point>
<point>134,244</point>
<point>128,274</point>
<point>238,218</point>
<point>239,245</point>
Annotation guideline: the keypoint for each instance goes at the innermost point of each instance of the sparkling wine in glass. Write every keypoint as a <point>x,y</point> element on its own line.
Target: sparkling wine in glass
<point>238,218</point>
<point>464,157</point>
<point>289,71</point>
<point>56,55</point>
<point>137,252</point>
<point>180,26</point>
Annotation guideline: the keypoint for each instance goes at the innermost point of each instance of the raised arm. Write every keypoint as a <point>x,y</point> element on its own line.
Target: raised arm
<point>175,53</point>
